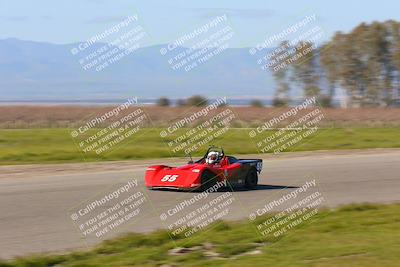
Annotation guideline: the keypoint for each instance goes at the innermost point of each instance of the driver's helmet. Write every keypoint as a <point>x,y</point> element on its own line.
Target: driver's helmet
<point>212,157</point>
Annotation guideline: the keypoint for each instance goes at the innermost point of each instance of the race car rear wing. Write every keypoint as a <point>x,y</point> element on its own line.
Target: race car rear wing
<point>257,163</point>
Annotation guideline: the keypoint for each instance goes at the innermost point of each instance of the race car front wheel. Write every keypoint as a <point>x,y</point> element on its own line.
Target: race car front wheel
<point>251,179</point>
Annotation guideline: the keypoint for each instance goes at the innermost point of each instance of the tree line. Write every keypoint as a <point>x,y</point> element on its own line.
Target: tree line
<point>364,63</point>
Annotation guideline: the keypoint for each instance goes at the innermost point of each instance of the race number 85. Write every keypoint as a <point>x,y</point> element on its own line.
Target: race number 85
<point>169,178</point>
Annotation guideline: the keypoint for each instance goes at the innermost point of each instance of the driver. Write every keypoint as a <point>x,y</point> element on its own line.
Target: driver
<point>213,157</point>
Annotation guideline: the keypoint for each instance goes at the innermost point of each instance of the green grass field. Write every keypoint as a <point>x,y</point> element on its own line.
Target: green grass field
<point>22,146</point>
<point>357,235</point>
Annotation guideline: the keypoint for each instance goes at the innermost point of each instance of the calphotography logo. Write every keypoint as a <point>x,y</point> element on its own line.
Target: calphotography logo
<point>292,45</point>
<point>107,131</point>
<point>196,213</point>
<point>111,211</point>
<point>200,45</point>
<point>286,212</point>
<point>199,128</point>
<point>111,45</point>
<point>289,128</point>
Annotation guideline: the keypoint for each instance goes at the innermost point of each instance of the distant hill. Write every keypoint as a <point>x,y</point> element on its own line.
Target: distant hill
<point>43,71</point>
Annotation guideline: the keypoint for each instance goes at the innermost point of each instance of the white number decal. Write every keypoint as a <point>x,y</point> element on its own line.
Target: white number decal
<point>169,178</point>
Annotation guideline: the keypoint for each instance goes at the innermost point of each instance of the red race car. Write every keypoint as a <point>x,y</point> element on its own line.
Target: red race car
<point>212,168</point>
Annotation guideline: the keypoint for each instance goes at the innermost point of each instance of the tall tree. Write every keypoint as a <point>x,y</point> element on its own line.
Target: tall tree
<point>280,72</point>
<point>394,29</point>
<point>305,69</point>
<point>364,62</point>
<point>329,60</point>
<point>360,62</point>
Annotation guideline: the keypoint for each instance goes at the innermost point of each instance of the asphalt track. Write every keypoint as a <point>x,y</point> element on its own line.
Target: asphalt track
<point>35,206</point>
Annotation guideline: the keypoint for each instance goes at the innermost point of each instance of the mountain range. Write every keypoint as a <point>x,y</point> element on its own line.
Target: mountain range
<point>45,71</point>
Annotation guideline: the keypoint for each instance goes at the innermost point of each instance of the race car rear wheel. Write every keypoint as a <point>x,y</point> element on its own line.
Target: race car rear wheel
<point>251,179</point>
<point>208,179</point>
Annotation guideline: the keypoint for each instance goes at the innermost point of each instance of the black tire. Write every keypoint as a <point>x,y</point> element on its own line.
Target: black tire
<point>208,179</point>
<point>251,179</point>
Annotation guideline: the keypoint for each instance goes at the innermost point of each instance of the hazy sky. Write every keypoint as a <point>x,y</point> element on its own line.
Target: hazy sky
<point>252,20</point>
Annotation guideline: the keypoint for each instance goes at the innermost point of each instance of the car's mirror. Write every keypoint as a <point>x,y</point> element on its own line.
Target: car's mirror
<point>191,159</point>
